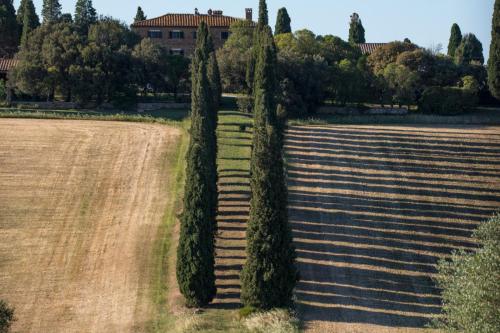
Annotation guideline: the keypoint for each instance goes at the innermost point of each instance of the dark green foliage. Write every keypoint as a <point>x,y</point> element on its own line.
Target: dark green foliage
<point>387,54</point>
<point>455,40</point>
<point>195,253</point>
<point>356,30</point>
<point>85,15</point>
<point>252,60</point>
<point>470,50</point>
<point>334,49</point>
<point>9,29</point>
<point>139,16</point>
<point>470,284</point>
<point>151,63</point>
<point>269,274</point>
<point>494,60</point>
<point>6,317</point>
<point>66,18</point>
<point>27,19</point>
<point>263,14</point>
<point>446,100</point>
<point>51,11</point>
<point>3,90</point>
<point>283,22</point>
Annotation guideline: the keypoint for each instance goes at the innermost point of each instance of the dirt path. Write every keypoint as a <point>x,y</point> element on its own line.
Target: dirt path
<point>80,206</point>
<point>374,208</point>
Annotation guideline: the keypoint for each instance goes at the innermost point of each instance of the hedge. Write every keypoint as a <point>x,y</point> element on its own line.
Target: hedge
<point>446,100</point>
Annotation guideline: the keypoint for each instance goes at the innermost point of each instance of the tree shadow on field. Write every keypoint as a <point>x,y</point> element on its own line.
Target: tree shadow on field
<point>373,210</point>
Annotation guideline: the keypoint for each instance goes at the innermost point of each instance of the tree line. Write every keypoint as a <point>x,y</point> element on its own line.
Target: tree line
<point>316,69</point>
<point>269,274</point>
<point>86,58</point>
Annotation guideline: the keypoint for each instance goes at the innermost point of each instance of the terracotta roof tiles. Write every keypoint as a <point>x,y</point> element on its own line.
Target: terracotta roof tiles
<point>187,20</point>
<point>7,64</point>
<point>369,48</point>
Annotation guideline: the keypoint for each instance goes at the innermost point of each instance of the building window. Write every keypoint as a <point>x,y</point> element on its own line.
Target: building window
<point>177,52</point>
<point>176,34</point>
<point>155,34</point>
<point>224,35</point>
<point>195,34</point>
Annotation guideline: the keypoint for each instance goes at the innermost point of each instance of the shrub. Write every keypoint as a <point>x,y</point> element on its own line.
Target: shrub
<point>244,104</point>
<point>446,100</point>
<point>3,91</point>
<point>275,321</point>
<point>471,292</point>
<point>6,317</point>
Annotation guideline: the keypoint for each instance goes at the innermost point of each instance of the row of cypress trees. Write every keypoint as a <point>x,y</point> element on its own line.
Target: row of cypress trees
<point>196,250</point>
<point>269,275</point>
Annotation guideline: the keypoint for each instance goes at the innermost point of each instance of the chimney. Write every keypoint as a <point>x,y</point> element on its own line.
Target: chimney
<point>210,12</point>
<point>217,12</point>
<point>196,12</point>
<point>249,14</point>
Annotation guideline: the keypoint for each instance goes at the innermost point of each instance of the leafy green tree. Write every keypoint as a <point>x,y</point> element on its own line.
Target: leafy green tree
<point>151,63</point>
<point>387,54</point>
<point>6,317</point>
<point>139,16</point>
<point>334,49</point>
<point>269,274</point>
<point>471,292</point>
<point>234,56</point>
<point>9,30</point>
<point>177,73</point>
<point>51,11</point>
<point>494,60</point>
<point>455,40</point>
<point>402,82</point>
<point>85,15</point>
<point>195,253</point>
<point>283,22</point>
<point>470,50</point>
<point>356,30</point>
<point>27,19</point>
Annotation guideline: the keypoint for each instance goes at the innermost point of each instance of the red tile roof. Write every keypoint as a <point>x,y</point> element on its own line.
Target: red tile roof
<point>7,64</point>
<point>369,48</point>
<point>187,20</point>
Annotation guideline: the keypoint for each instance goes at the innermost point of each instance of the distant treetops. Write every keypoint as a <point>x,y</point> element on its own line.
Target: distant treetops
<point>356,30</point>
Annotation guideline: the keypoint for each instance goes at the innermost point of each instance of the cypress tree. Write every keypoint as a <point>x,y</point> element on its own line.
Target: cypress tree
<point>455,39</point>
<point>494,60</point>
<point>9,30</point>
<point>26,7</point>
<point>51,11</point>
<point>262,22</point>
<point>85,15</point>
<point>470,50</point>
<point>283,22</point>
<point>195,254</point>
<point>269,274</point>
<point>139,16</point>
<point>356,30</point>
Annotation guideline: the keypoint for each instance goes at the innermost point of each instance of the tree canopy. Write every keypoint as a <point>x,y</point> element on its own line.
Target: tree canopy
<point>455,40</point>
<point>51,11</point>
<point>494,59</point>
<point>356,30</point>
<point>9,29</point>
<point>139,16</point>
<point>85,15</point>
<point>283,22</point>
<point>469,50</point>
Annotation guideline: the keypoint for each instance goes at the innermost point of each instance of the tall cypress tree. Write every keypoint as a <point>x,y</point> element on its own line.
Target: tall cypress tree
<point>494,60</point>
<point>283,22</point>
<point>139,16</point>
<point>51,11</point>
<point>356,30</point>
<point>269,274</point>
<point>455,39</point>
<point>9,30</point>
<point>262,22</point>
<point>470,50</point>
<point>195,254</point>
<point>85,15</point>
<point>26,7</point>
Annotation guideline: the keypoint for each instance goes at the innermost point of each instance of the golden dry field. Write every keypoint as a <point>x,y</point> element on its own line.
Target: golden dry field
<point>81,203</point>
<point>373,208</point>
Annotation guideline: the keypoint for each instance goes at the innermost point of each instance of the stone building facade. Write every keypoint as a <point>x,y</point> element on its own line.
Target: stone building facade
<point>177,32</point>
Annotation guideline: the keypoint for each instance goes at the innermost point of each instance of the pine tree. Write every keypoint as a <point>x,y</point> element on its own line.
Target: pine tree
<point>51,11</point>
<point>283,22</point>
<point>85,15</point>
<point>269,274</point>
<point>356,30</point>
<point>140,15</point>
<point>494,60</point>
<point>455,39</point>
<point>470,50</point>
<point>33,19</point>
<point>9,30</point>
<point>195,254</point>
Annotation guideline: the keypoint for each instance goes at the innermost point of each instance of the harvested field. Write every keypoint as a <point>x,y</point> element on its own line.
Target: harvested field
<point>81,203</point>
<point>373,208</point>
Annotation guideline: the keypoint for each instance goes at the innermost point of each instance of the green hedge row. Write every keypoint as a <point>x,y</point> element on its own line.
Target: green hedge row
<point>447,100</point>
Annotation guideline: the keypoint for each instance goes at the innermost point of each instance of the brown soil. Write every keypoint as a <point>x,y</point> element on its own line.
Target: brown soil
<point>80,207</point>
<point>373,208</point>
